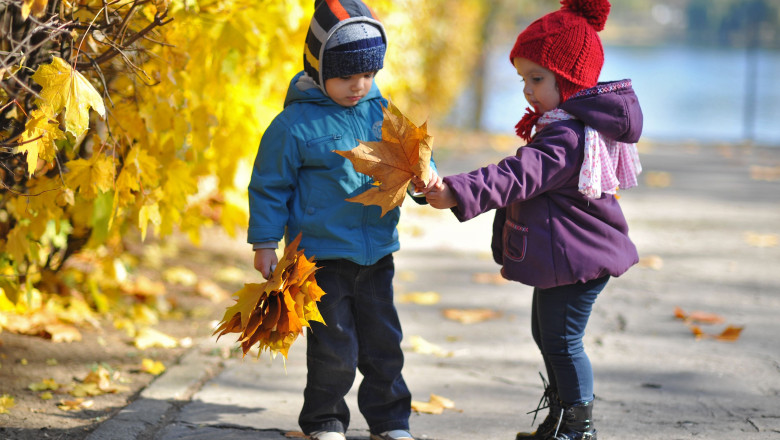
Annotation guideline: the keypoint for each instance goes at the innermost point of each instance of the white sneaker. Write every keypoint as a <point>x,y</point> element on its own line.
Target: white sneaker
<point>398,434</point>
<point>327,435</point>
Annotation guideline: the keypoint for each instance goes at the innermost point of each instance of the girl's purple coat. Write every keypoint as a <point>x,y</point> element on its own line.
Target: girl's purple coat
<point>546,233</point>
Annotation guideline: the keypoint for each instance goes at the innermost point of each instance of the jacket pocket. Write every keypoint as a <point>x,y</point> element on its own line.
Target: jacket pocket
<point>319,151</point>
<point>515,241</point>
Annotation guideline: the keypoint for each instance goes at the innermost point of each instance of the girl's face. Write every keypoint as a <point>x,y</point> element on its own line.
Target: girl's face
<point>349,90</point>
<point>540,88</point>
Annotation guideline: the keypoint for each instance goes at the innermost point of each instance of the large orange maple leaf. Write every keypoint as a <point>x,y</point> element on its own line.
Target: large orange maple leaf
<point>403,152</point>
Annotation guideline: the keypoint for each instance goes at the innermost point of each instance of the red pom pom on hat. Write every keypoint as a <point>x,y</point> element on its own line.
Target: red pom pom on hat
<point>594,11</point>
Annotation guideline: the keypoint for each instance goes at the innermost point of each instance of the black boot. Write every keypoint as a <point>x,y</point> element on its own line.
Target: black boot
<point>576,423</point>
<point>547,428</point>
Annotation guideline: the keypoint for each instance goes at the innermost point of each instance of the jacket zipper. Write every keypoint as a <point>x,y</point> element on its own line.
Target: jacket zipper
<point>368,255</point>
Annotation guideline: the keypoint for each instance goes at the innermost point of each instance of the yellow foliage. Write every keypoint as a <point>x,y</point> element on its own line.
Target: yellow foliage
<point>176,116</point>
<point>65,88</point>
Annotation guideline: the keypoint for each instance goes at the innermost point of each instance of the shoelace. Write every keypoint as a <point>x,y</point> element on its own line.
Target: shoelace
<point>544,402</point>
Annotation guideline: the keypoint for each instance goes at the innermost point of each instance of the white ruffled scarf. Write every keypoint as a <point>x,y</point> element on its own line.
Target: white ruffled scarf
<point>608,164</point>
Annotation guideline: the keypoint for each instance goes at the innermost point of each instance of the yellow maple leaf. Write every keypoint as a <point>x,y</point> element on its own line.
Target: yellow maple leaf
<point>90,175</point>
<point>435,405</point>
<point>6,403</point>
<point>34,7</point>
<point>152,367</point>
<point>44,385</point>
<point>75,405</point>
<point>148,337</point>
<point>403,152</point>
<point>149,213</point>
<point>63,87</point>
<point>38,138</point>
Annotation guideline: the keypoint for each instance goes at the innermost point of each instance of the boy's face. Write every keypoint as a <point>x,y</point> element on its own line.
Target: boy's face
<point>540,88</point>
<point>349,90</point>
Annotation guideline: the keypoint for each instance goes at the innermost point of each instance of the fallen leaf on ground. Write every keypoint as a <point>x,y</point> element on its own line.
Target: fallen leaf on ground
<point>488,278</point>
<point>421,298</point>
<point>45,384</point>
<point>152,367</point>
<point>6,403</point>
<point>180,275</point>
<point>420,345</point>
<point>403,152</point>
<point>768,174</point>
<point>706,318</point>
<point>698,316</point>
<point>651,262</point>
<point>435,405</point>
<point>62,333</point>
<point>470,316</point>
<point>730,334</point>
<point>657,179</point>
<point>761,240</point>
<point>143,287</point>
<point>295,434</point>
<point>98,381</point>
<point>273,314</point>
<point>75,405</point>
<point>149,337</point>
<point>211,290</point>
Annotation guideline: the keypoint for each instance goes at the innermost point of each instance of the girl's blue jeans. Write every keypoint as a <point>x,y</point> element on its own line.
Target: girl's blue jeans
<point>363,331</point>
<point>558,319</point>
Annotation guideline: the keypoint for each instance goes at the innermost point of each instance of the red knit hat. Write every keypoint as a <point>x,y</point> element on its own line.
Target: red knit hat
<point>567,43</point>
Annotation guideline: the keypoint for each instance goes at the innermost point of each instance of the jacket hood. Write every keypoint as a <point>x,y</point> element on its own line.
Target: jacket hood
<point>328,17</point>
<point>612,108</point>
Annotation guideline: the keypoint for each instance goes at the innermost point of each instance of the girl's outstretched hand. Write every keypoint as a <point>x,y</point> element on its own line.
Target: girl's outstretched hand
<point>437,193</point>
<point>441,196</point>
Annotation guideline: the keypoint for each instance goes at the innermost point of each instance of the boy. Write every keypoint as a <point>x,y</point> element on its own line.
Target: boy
<point>300,184</point>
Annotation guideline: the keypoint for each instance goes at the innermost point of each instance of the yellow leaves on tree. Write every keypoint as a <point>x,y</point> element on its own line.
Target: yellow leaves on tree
<point>35,8</point>
<point>90,175</point>
<point>62,88</point>
<point>403,152</point>
<point>273,314</point>
<point>38,139</point>
<point>66,88</point>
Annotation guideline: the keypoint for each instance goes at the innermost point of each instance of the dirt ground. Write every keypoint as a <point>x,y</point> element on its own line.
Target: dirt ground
<point>25,360</point>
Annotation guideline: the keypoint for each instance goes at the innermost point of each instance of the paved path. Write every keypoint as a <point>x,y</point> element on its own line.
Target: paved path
<point>707,232</point>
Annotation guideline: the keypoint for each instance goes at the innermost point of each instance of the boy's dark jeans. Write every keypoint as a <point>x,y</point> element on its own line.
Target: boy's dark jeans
<point>559,316</point>
<point>362,331</point>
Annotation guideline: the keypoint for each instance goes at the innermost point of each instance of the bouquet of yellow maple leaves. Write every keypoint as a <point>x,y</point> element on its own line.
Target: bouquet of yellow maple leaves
<point>273,314</point>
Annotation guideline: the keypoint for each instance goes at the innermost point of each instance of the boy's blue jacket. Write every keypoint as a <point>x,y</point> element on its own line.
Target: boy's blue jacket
<point>298,182</point>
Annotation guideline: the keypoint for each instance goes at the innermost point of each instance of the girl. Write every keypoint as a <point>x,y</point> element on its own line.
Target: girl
<point>558,225</point>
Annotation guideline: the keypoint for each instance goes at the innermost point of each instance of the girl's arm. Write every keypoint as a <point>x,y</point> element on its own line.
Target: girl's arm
<point>549,162</point>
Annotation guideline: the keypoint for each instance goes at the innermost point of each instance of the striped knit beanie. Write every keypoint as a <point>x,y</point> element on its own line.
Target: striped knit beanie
<point>566,42</point>
<point>344,38</point>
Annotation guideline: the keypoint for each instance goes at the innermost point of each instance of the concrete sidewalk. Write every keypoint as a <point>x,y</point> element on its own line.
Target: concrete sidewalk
<point>707,230</point>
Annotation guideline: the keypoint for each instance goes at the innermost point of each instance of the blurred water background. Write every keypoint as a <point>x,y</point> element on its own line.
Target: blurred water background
<point>687,93</point>
<point>704,71</point>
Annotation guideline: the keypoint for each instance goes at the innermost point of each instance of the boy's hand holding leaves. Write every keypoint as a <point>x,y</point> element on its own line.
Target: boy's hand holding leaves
<point>403,153</point>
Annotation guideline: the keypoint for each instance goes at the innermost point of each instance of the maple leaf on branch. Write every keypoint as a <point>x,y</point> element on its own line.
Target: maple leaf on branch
<point>403,152</point>
<point>273,314</point>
